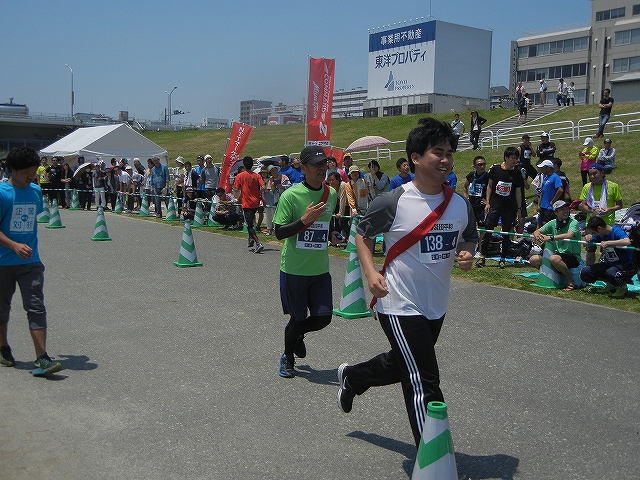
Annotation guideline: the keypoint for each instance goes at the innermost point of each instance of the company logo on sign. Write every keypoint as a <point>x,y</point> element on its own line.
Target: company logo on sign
<point>395,85</point>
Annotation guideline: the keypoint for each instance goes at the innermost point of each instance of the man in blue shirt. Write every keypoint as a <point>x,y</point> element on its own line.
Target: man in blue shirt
<point>551,191</point>
<point>403,177</point>
<point>159,182</point>
<point>617,265</point>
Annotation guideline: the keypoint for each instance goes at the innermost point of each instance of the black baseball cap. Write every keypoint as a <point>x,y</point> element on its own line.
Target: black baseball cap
<point>312,155</point>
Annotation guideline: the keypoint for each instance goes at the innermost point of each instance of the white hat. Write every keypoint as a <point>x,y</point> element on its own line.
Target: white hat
<point>587,141</point>
<point>180,160</point>
<point>207,157</point>
<point>560,203</point>
<point>544,134</point>
<point>545,163</point>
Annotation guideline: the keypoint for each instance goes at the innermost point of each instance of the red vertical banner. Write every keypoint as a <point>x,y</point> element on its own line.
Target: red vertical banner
<point>320,101</point>
<point>238,138</point>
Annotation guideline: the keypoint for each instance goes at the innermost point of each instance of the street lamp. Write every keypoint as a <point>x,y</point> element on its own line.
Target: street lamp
<point>72,96</point>
<point>169,104</point>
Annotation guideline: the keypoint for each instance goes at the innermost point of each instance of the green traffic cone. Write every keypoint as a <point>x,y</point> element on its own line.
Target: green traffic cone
<point>75,203</point>
<point>43,217</point>
<point>118,208</point>
<point>100,232</point>
<point>188,257</point>
<point>198,218</point>
<point>171,211</point>
<point>548,277</point>
<point>436,458</point>
<point>352,302</point>
<point>144,208</point>
<point>54,220</point>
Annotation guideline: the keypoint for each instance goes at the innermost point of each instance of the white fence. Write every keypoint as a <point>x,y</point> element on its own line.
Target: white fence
<point>563,130</point>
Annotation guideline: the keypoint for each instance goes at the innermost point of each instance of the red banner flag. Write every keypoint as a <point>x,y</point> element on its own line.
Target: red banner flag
<point>320,101</point>
<point>238,138</point>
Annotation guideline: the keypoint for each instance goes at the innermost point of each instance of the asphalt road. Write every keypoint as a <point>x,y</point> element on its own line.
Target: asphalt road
<point>172,373</point>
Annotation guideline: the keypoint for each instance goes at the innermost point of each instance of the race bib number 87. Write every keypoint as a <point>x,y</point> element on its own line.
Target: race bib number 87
<point>314,238</point>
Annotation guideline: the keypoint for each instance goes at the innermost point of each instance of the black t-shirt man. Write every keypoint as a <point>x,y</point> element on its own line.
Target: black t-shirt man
<point>505,182</point>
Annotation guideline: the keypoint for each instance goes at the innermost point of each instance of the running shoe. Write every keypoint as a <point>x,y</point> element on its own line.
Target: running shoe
<point>285,367</point>
<point>345,394</point>
<point>6,357</point>
<point>251,243</point>
<point>45,363</point>
<point>480,263</point>
<point>259,248</point>
<point>502,264</point>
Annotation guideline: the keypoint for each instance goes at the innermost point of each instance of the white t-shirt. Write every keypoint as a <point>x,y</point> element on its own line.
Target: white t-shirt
<point>418,279</point>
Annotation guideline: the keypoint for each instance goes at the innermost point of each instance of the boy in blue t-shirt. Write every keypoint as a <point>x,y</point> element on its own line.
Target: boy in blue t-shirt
<point>20,202</point>
<point>617,264</point>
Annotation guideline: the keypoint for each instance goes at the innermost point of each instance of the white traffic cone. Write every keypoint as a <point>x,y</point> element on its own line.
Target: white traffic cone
<point>100,233</point>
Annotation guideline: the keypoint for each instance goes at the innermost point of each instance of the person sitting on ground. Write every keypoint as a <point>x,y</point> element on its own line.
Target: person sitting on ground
<point>555,233</point>
<point>225,212</point>
<point>607,156</point>
<point>616,266</point>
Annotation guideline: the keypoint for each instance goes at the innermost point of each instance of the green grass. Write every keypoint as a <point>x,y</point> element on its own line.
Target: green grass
<point>274,140</point>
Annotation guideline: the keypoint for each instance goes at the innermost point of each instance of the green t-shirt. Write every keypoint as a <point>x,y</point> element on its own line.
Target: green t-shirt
<point>613,196</point>
<point>306,252</point>
<point>561,246</point>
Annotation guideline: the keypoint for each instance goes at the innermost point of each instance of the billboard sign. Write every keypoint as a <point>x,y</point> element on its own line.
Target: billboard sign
<point>402,61</point>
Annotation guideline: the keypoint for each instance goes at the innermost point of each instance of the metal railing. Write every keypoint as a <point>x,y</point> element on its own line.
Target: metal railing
<point>562,130</point>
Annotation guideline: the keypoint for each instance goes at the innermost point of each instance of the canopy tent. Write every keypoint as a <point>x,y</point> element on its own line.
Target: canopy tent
<point>106,142</point>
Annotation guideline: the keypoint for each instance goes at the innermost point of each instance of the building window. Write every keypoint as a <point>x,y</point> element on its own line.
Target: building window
<point>631,64</point>
<point>533,50</point>
<point>392,111</point>
<point>545,49</point>
<point>419,108</point>
<point>636,10</point>
<point>581,44</point>
<point>625,37</point>
<point>610,14</point>
<point>523,52</point>
<point>370,112</point>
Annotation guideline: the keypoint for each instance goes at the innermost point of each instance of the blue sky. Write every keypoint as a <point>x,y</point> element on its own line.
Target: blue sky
<point>126,54</point>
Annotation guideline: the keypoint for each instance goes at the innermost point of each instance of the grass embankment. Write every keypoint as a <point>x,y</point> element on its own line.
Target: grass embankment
<point>275,140</point>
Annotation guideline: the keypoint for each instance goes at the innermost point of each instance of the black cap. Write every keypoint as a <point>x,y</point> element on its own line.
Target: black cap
<point>312,155</point>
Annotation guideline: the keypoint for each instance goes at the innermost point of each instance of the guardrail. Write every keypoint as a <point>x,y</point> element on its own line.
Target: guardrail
<point>562,130</point>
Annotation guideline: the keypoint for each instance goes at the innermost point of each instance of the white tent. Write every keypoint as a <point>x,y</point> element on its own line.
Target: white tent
<point>106,142</point>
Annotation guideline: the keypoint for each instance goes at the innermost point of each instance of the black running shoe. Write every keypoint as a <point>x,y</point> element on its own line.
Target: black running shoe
<point>6,357</point>
<point>345,394</point>
<point>285,367</point>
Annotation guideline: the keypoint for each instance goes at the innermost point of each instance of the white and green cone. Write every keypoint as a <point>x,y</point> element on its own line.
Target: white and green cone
<point>171,211</point>
<point>100,232</point>
<point>188,257</point>
<point>144,208</point>
<point>352,302</point>
<point>54,220</point>
<point>43,217</point>
<point>436,458</point>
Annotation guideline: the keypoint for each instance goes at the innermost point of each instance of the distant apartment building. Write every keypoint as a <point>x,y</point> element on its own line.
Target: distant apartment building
<point>604,53</point>
<point>248,115</point>
<point>348,103</point>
